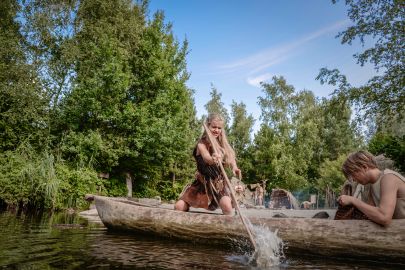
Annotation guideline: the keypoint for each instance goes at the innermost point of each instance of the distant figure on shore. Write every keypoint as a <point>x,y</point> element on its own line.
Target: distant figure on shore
<point>209,189</point>
<point>387,196</point>
<point>239,192</point>
<point>260,194</point>
<point>306,205</point>
<point>254,197</point>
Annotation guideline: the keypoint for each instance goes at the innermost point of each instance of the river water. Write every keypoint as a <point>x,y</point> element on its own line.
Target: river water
<point>67,241</point>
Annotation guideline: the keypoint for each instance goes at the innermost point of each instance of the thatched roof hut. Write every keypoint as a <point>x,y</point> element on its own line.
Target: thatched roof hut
<point>281,198</point>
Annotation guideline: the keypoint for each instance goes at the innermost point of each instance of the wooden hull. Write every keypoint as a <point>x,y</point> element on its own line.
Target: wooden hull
<point>337,238</point>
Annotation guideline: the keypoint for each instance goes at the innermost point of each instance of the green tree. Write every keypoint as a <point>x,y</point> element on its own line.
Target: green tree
<point>389,139</point>
<point>283,145</point>
<point>391,146</point>
<point>106,85</point>
<point>299,132</point>
<point>382,22</point>
<point>49,34</point>
<point>98,100</point>
<point>306,124</point>
<point>215,105</point>
<point>331,179</point>
<point>130,89</point>
<point>165,123</point>
<point>339,133</point>
<point>23,108</point>
<point>336,135</point>
<point>381,101</point>
<point>240,137</point>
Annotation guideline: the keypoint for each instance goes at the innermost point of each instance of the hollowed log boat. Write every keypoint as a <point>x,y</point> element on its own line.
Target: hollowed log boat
<point>326,237</point>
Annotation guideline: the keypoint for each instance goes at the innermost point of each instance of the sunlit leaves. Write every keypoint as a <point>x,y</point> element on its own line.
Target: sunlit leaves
<point>382,24</point>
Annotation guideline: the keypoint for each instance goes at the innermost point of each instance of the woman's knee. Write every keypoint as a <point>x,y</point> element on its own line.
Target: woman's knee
<point>181,205</point>
<point>226,205</point>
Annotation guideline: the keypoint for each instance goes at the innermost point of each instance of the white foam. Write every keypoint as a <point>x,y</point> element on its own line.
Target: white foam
<point>269,252</point>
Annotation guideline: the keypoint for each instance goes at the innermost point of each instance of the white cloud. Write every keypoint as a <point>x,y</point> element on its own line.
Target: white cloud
<point>256,80</point>
<point>265,59</point>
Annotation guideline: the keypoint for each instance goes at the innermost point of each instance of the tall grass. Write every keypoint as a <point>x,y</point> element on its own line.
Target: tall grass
<point>39,180</point>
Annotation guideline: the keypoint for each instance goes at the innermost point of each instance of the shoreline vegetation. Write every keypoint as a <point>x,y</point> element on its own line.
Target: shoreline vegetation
<point>93,99</point>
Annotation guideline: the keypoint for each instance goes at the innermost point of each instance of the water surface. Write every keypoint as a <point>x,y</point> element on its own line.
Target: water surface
<point>63,241</point>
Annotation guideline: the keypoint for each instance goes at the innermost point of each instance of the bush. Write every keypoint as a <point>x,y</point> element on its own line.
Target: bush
<point>115,187</point>
<point>75,184</point>
<point>38,180</point>
<point>391,146</point>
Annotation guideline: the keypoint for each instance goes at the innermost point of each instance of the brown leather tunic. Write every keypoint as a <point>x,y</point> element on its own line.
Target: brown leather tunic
<point>208,187</point>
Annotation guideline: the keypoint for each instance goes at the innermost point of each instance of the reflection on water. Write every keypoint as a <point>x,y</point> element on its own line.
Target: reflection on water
<point>134,250</point>
<point>69,242</point>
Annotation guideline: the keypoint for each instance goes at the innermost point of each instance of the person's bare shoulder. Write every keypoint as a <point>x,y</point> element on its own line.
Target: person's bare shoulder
<point>393,181</point>
<point>390,177</point>
<point>201,147</point>
<point>390,182</point>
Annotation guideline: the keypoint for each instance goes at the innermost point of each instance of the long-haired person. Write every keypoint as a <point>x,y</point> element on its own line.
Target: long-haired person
<point>209,189</point>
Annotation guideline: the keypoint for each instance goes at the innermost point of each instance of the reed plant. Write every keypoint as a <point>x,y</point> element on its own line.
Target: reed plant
<point>40,180</point>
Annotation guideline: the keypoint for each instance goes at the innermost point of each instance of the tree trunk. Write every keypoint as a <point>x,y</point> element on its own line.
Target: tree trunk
<point>129,184</point>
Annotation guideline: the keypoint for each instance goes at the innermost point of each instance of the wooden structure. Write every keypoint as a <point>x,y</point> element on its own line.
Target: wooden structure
<point>281,198</point>
<point>361,239</point>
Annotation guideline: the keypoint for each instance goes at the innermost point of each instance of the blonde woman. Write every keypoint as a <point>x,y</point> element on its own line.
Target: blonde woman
<point>209,188</point>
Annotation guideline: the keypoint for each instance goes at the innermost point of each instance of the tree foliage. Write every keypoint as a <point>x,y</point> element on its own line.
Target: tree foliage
<point>49,44</point>
<point>339,134</point>
<point>391,146</point>
<point>331,175</point>
<point>40,180</point>
<point>100,86</point>
<point>240,138</point>
<point>130,88</point>
<point>331,179</point>
<point>381,23</point>
<point>111,83</point>
<point>22,102</point>
<point>215,105</point>
<point>298,134</point>
<point>277,156</point>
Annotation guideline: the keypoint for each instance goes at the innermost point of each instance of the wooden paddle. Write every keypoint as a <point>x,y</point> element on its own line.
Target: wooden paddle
<point>208,132</point>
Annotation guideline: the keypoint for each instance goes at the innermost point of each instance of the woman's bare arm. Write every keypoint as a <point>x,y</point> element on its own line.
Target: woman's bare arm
<point>208,158</point>
<point>384,212</point>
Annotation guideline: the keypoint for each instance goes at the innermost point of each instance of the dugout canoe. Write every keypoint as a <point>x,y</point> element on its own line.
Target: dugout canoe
<point>335,238</point>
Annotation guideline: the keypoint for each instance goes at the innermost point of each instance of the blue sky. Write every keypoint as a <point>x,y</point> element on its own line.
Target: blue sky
<point>236,44</point>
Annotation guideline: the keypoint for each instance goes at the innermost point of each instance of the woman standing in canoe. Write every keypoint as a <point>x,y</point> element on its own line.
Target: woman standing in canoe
<point>209,188</point>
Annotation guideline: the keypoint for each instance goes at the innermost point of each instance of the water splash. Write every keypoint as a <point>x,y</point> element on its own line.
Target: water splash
<point>270,248</point>
<point>269,253</point>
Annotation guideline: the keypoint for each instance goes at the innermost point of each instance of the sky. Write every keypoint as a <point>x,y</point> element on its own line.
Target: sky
<point>236,44</point>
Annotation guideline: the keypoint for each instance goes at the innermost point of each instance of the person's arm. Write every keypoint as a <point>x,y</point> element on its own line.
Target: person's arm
<point>216,157</point>
<point>236,171</point>
<point>208,158</point>
<point>384,212</point>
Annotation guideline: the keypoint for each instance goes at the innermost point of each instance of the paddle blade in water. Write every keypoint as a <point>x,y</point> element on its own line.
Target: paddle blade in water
<point>269,251</point>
